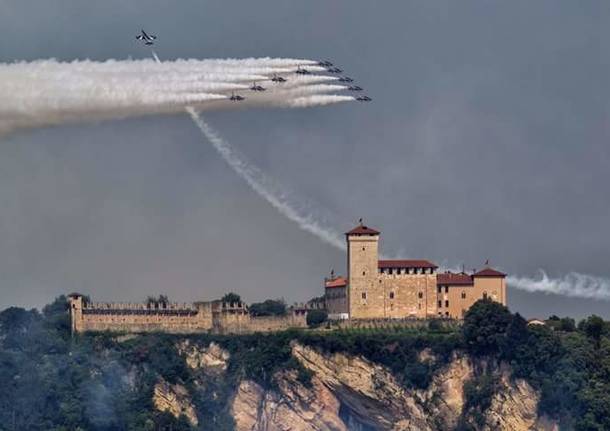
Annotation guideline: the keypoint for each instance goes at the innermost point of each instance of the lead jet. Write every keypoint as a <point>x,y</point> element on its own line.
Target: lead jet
<point>354,88</point>
<point>300,71</point>
<point>257,87</point>
<point>277,78</point>
<point>236,97</point>
<point>334,70</point>
<point>146,38</point>
<point>345,79</point>
<point>363,99</point>
<point>325,63</point>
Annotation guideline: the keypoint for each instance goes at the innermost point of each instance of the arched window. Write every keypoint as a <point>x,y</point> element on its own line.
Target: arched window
<point>463,294</point>
<point>484,295</point>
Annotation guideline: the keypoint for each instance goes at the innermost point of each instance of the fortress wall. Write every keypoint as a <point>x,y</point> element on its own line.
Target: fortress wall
<point>124,317</point>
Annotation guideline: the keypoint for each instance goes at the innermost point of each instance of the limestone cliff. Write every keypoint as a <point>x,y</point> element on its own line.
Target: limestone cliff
<point>352,393</point>
<point>174,399</point>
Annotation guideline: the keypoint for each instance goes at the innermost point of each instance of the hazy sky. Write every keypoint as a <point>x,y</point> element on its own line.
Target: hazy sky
<point>488,137</point>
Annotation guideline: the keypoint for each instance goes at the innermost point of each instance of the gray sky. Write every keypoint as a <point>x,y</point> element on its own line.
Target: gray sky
<point>487,138</point>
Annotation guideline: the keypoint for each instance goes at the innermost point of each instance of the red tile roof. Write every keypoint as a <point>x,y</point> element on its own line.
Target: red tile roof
<point>408,263</point>
<point>362,230</point>
<point>489,272</point>
<point>335,282</point>
<point>451,279</point>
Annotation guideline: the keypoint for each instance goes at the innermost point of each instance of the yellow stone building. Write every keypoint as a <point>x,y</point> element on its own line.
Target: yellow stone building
<point>406,288</point>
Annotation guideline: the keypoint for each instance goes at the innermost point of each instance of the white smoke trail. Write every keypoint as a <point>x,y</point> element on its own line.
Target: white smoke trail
<point>573,284</point>
<point>276,195</point>
<point>48,92</point>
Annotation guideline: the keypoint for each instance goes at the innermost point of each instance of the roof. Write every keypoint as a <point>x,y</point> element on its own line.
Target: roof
<point>489,272</point>
<point>335,282</point>
<point>451,279</point>
<point>406,263</point>
<point>362,230</point>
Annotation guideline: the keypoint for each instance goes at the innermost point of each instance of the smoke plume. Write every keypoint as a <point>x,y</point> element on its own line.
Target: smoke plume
<point>572,284</point>
<point>49,92</point>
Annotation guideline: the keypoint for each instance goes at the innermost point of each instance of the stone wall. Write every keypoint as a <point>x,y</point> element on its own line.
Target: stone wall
<point>208,317</point>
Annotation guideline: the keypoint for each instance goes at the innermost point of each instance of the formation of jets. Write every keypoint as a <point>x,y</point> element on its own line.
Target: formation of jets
<point>149,39</point>
<point>146,38</point>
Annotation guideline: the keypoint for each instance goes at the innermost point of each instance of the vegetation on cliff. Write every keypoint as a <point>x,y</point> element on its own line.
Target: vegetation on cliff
<point>52,381</point>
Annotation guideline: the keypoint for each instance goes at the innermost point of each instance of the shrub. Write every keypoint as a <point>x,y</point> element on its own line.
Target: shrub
<point>269,307</point>
<point>316,318</point>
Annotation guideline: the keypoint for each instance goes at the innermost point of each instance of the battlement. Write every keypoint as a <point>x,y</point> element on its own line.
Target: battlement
<point>156,316</point>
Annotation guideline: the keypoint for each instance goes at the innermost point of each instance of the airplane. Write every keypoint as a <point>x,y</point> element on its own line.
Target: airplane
<point>146,38</point>
<point>236,97</point>
<point>302,71</point>
<point>278,79</point>
<point>363,99</point>
<point>345,79</point>
<point>257,87</point>
<point>354,88</point>
<point>325,63</point>
<point>334,70</point>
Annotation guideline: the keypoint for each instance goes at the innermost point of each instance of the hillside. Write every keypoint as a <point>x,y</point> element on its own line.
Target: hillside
<point>493,373</point>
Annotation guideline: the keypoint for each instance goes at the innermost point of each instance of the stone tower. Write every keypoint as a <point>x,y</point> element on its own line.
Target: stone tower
<point>363,295</point>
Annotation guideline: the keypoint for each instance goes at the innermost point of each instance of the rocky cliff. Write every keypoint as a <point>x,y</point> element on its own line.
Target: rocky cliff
<point>348,392</point>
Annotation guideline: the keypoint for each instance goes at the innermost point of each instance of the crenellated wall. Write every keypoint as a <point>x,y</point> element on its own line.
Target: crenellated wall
<point>216,317</point>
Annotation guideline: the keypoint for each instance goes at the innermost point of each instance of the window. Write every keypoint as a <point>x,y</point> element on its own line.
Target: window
<point>420,295</point>
<point>363,248</point>
<point>447,313</point>
<point>391,295</point>
<point>446,303</point>
<point>390,271</point>
<point>446,289</point>
<point>484,295</point>
<point>363,273</point>
<point>440,304</point>
<point>419,305</point>
<point>439,289</point>
<point>463,295</point>
<point>363,295</point>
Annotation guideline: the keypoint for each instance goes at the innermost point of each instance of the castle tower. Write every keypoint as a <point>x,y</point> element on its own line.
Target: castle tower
<point>364,296</point>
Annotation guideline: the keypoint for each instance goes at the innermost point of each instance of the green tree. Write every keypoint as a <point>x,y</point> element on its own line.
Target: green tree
<point>485,326</point>
<point>270,307</point>
<point>316,317</point>
<point>231,298</point>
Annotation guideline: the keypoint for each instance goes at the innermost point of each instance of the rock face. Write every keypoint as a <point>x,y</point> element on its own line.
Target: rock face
<point>211,360</point>
<point>351,393</point>
<point>174,399</point>
<point>293,407</point>
<point>514,407</point>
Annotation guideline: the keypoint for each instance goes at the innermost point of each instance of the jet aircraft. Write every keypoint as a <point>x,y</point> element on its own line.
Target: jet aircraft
<point>236,97</point>
<point>146,38</point>
<point>325,63</point>
<point>257,87</point>
<point>334,70</point>
<point>277,78</point>
<point>354,88</point>
<point>345,79</point>
<point>363,99</point>
<point>300,71</point>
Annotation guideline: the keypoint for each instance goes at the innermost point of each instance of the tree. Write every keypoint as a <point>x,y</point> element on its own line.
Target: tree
<point>270,307</point>
<point>316,317</point>
<point>231,298</point>
<point>567,324</point>
<point>485,326</point>
<point>593,327</point>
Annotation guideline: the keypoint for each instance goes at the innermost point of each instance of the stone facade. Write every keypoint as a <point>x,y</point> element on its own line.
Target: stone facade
<point>207,317</point>
<point>399,289</point>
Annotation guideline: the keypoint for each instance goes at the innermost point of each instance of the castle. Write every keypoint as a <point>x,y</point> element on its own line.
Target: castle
<point>398,289</point>
<point>373,290</point>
